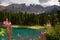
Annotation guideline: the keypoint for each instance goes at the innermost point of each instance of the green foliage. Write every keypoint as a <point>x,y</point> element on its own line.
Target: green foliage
<point>50,31</point>
<point>2,32</point>
<point>53,33</point>
<point>30,18</point>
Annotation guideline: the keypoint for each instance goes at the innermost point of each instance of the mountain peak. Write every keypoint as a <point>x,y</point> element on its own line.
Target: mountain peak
<point>31,9</point>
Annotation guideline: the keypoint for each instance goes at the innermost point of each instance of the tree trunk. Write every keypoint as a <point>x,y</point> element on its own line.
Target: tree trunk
<point>9,32</point>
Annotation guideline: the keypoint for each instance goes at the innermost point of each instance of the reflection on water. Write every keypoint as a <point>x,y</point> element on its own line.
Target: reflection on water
<point>24,33</point>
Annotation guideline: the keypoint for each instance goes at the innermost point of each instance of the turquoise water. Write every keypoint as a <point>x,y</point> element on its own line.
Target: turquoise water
<point>24,32</point>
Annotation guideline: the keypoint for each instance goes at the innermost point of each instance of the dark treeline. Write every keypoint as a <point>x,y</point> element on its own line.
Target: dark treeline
<point>30,18</point>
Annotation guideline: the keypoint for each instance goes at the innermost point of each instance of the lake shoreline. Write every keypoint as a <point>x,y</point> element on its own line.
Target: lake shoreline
<point>32,27</point>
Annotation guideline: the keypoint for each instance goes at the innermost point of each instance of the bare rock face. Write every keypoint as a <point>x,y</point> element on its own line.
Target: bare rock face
<point>30,9</point>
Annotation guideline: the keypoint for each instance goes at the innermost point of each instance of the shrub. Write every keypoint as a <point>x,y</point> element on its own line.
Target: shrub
<point>53,33</point>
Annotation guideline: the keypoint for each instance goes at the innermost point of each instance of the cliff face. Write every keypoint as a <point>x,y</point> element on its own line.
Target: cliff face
<point>30,9</point>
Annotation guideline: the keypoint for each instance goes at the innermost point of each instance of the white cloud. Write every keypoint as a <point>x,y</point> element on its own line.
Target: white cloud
<point>51,2</point>
<point>4,4</point>
<point>28,2</point>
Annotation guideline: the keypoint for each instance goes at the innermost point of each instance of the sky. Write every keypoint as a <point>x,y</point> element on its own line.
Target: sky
<point>28,2</point>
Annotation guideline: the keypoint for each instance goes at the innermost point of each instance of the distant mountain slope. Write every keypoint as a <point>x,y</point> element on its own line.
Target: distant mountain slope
<point>51,9</point>
<point>2,7</point>
<point>30,9</point>
<point>23,7</point>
